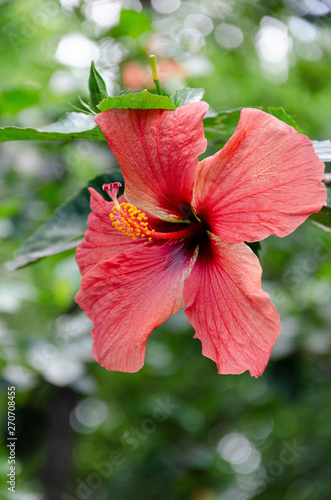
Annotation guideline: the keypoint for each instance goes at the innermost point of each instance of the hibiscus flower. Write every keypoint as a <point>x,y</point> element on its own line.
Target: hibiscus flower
<point>176,237</point>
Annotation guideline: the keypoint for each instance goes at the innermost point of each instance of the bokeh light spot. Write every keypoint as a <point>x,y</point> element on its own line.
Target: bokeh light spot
<point>165,6</point>
<point>104,12</point>
<point>272,41</point>
<point>203,24</point>
<point>76,50</point>
<point>235,448</point>
<point>228,36</point>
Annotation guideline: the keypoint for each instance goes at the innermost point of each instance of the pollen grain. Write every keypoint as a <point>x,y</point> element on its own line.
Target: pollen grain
<point>130,221</point>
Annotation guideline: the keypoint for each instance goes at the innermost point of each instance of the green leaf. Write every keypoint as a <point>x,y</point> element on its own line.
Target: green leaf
<point>281,114</point>
<point>219,128</point>
<point>323,219</point>
<point>141,100</point>
<point>64,229</point>
<point>97,88</point>
<point>255,246</point>
<point>86,107</point>
<point>187,95</point>
<point>70,126</point>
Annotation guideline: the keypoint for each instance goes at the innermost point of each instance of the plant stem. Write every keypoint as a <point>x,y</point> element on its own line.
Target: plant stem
<point>152,59</point>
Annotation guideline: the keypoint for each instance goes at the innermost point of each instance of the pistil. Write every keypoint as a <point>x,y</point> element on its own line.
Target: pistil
<point>130,221</point>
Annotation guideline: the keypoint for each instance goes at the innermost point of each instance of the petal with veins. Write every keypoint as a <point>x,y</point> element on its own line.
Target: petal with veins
<point>266,180</point>
<point>101,239</point>
<point>233,317</point>
<point>131,294</point>
<point>157,151</point>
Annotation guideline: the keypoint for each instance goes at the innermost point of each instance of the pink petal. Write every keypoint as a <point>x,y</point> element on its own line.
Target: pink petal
<point>233,317</point>
<point>266,180</point>
<point>157,151</point>
<point>101,239</point>
<point>128,296</point>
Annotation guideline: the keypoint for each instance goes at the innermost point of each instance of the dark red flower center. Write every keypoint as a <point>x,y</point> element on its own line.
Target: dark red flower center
<point>131,222</point>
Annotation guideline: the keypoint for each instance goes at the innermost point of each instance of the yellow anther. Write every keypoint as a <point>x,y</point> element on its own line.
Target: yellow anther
<point>129,221</point>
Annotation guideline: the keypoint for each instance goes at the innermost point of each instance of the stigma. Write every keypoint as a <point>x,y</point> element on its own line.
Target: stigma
<point>132,222</point>
<point>125,217</point>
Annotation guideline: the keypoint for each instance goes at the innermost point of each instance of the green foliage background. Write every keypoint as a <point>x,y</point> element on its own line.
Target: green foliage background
<point>176,429</point>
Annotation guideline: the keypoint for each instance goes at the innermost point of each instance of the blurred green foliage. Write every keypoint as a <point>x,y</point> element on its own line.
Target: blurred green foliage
<point>176,429</point>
